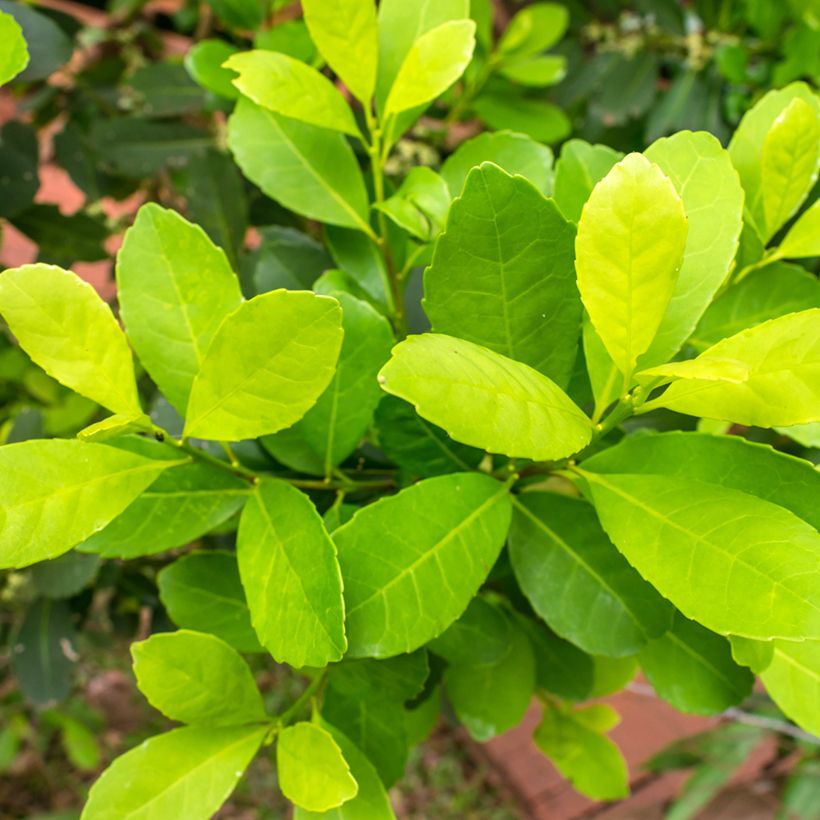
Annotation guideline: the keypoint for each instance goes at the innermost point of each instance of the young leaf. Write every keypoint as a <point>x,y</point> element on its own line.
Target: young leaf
<point>692,668</point>
<point>203,591</point>
<point>420,205</point>
<point>729,461</point>
<point>792,679</point>
<point>765,376</point>
<point>205,62</point>
<point>702,173</point>
<point>418,446</point>
<point>334,426</point>
<point>175,288</point>
<point>484,399</point>
<point>346,35</point>
<point>440,553</point>
<point>579,169</point>
<point>268,363</point>
<point>310,170</point>
<point>534,29</point>
<point>577,581</point>
<point>193,677</point>
<point>291,577</point>
<point>629,249</point>
<point>432,64</point>
<point>502,274</point>
<point>291,88</point>
<point>180,506</point>
<point>764,294</point>
<point>803,238</point>
<point>746,146</point>
<point>312,770</point>
<point>737,564</point>
<point>371,801</point>
<point>490,698</point>
<point>15,55</point>
<point>187,772</point>
<point>516,154</point>
<point>56,493</point>
<point>576,743</point>
<point>789,163</point>
<point>64,326</point>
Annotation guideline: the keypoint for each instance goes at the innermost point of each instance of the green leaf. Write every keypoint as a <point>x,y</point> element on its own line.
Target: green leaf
<point>516,154</point>
<point>767,293</point>
<point>502,274</point>
<point>765,376</point>
<point>806,434</point>
<point>288,258</point>
<point>702,173</point>
<point>576,743</point>
<point>729,461</point>
<point>420,205</point>
<point>312,770</point>
<point>164,89</point>
<point>15,55</point>
<point>535,72</point>
<point>175,289</point>
<point>692,668</point>
<point>746,146</point>
<point>579,168</point>
<point>480,637</point>
<point>401,24</point>
<point>291,577</point>
<point>577,581</point>
<point>205,63</point>
<point>346,35</point>
<point>540,120</point>
<point>63,239</point>
<point>187,772</point>
<point>491,698</point>
<point>64,326</point>
<point>484,399</point>
<point>359,257</point>
<point>802,239</point>
<point>534,29</point>
<point>792,679</point>
<point>307,169</point>
<point>193,677</point>
<point>757,655</point>
<point>57,493</point>
<point>80,744</point>
<point>332,429</point>
<point>418,446</point>
<point>65,576</point>
<point>203,591</point>
<point>789,163</point>
<point>432,64</point>
<point>49,47</point>
<point>39,662</point>
<point>629,249</point>
<point>371,801</point>
<point>19,176</point>
<point>440,553</point>
<point>240,14</point>
<point>610,675</point>
<point>288,87</point>
<point>801,796</point>
<point>737,564</point>
<point>268,363</point>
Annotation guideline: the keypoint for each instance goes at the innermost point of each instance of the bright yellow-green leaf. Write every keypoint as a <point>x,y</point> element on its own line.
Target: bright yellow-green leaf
<point>194,677</point>
<point>792,679</point>
<point>346,35</point>
<point>56,493</point>
<point>185,773</point>
<point>767,376</point>
<point>67,329</point>
<point>433,63</point>
<point>175,288</point>
<point>789,163</point>
<point>268,363</point>
<point>702,173</point>
<point>736,563</point>
<point>14,57</point>
<point>313,772</point>
<point>803,238</point>
<point>629,249</point>
<point>576,743</point>
<point>534,29</point>
<point>485,399</point>
<point>290,87</point>
<point>291,577</point>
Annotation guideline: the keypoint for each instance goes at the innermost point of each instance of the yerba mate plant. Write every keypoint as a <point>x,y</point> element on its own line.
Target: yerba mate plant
<point>552,486</point>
